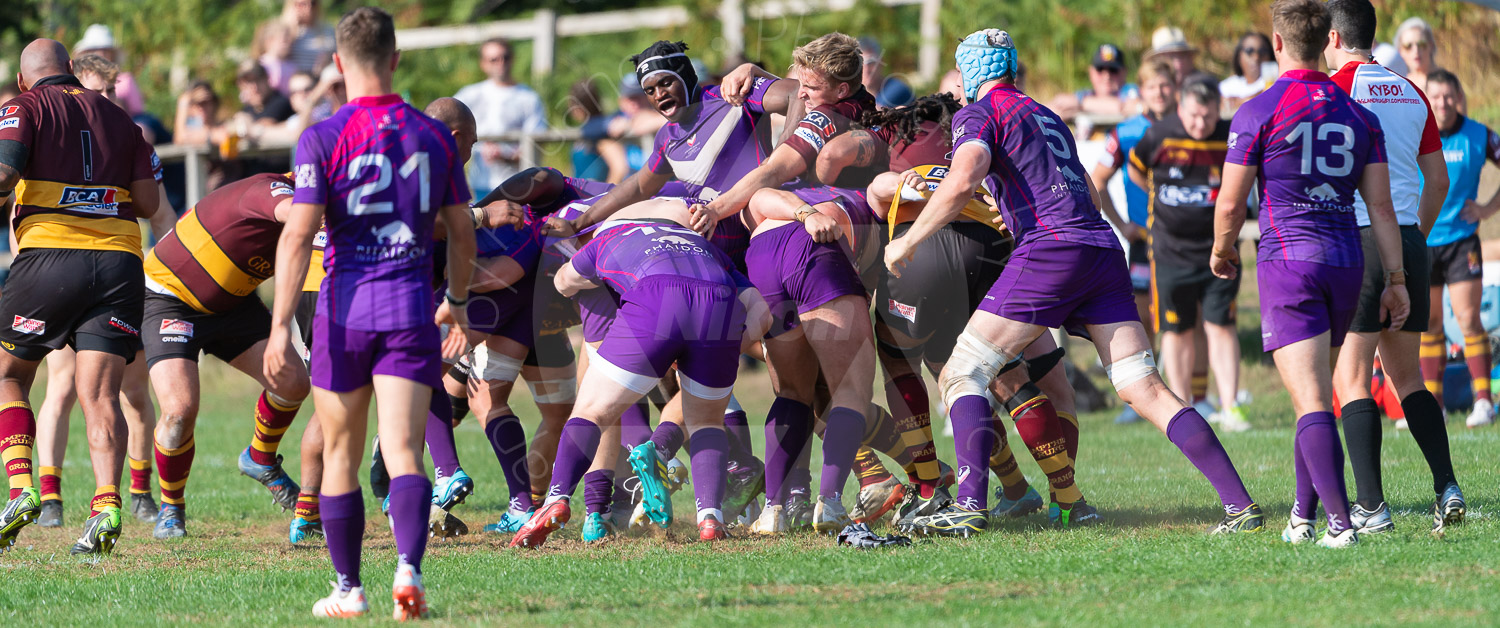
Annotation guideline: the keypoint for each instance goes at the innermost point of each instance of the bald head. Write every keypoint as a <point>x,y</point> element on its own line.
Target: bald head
<point>43,58</point>
<point>455,115</point>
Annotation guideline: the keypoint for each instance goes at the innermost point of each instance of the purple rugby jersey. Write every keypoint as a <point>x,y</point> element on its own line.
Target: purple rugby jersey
<point>621,254</point>
<point>1034,174</point>
<point>383,170</point>
<point>716,144</point>
<point>1311,143</point>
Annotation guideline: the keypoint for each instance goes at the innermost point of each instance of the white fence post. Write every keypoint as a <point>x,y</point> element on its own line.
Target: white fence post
<point>931,31</point>
<point>732,22</point>
<point>196,175</point>
<point>544,47</point>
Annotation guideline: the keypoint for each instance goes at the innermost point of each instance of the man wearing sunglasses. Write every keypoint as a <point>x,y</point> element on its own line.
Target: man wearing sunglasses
<point>1107,94</point>
<point>501,105</point>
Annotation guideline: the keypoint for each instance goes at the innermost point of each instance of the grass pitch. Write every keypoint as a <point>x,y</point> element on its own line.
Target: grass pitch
<point>1149,563</point>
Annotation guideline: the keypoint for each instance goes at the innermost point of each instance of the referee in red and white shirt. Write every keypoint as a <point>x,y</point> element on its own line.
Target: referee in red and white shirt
<point>1415,152</point>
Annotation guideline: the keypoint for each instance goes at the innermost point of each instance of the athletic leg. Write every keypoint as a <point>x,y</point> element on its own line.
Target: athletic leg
<point>177,389</point>
<point>52,433</point>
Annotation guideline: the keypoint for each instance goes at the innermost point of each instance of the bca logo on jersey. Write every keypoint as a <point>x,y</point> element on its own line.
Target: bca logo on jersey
<point>99,201</point>
<point>176,327</point>
<point>822,122</point>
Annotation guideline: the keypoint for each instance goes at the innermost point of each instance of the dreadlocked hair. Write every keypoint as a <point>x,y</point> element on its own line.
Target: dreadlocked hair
<point>905,122</point>
<point>657,49</point>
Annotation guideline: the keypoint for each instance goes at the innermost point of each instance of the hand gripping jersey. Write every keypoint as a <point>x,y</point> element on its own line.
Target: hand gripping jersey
<point>1410,130</point>
<point>84,153</point>
<point>1311,143</point>
<point>222,248</point>
<point>1035,174</point>
<point>1185,174</point>
<point>383,170</point>
<point>930,154</point>
<point>1465,149</point>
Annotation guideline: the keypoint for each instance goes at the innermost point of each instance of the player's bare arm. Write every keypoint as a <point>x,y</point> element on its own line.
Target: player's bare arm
<point>784,165</point>
<point>569,282</point>
<point>462,248</point>
<point>495,273</point>
<point>970,163</point>
<point>1434,189</point>
<point>1229,218</point>
<point>855,149</point>
<point>634,189</point>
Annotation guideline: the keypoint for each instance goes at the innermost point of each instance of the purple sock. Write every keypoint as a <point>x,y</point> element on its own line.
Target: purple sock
<point>1305,502</point>
<point>440,437</point>
<point>741,448</point>
<point>668,439</point>
<point>973,441</point>
<point>1198,442</point>
<point>344,528</point>
<point>597,488</point>
<point>575,452</point>
<point>411,500</point>
<point>841,439</point>
<point>788,426</point>
<point>706,453</point>
<point>635,425</point>
<point>508,440</point>
<point>1323,452</point>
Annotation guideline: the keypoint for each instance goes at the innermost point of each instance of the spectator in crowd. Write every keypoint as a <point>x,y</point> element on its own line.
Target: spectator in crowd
<point>327,96</point>
<point>300,87</point>
<point>261,103</point>
<point>8,90</point>
<point>1107,94</point>
<point>500,105</point>
<point>1418,50</point>
<point>198,122</point>
<point>952,84</point>
<point>1170,45</point>
<point>100,40</point>
<point>1254,70</point>
<point>636,118</point>
<point>312,38</point>
<point>595,156</point>
<point>889,91</point>
<point>273,47</point>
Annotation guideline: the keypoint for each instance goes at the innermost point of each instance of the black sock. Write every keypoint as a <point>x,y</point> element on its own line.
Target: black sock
<point>1424,417</point>
<point>1361,419</point>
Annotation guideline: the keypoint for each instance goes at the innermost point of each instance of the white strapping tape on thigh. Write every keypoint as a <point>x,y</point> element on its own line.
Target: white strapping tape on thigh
<point>637,383</point>
<point>563,390</point>
<point>492,366</point>
<point>971,368</point>
<point>591,350</point>
<point>702,391</point>
<point>1130,369</point>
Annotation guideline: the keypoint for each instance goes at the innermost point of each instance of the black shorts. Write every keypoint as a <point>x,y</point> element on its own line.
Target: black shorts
<point>307,307</point>
<point>1140,266</point>
<point>1181,293</point>
<point>940,288</point>
<point>551,351</point>
<point>89,300</point>
<point>174,330</point>
<point>1414,259</point>
<point>1456,262</point>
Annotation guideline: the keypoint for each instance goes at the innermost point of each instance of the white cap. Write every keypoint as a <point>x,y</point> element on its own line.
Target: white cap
<point>1169,39</point>
<point>95,37</point>
<point>331,73</point>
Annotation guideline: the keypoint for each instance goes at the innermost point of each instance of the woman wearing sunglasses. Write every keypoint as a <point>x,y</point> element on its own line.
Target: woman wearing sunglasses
<point>1254,70</point>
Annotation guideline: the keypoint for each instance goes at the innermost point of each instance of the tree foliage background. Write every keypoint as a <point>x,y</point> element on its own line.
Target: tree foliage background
<point>207,37</point>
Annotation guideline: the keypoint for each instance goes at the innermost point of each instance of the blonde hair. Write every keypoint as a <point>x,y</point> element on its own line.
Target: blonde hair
<point>97,66</point>
<point>1156,68</point>
<point>834,56</point>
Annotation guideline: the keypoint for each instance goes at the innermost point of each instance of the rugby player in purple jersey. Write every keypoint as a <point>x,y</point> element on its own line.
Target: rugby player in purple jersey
<point>1067,271</point>
<point>382,172</point>
<point>681,301</point>
<point>1310,147</point>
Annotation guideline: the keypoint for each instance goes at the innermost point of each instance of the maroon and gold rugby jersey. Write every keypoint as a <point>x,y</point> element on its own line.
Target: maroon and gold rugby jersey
<point>930,153</point>
<point>84,153</point>
<point>826,122</point>
<point>224,247</point>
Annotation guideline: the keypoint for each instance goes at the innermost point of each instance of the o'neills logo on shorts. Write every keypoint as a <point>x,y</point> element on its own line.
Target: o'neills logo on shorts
<point>908,312</point>
<point>123,326</point>
<point>176,327</point>
<point>29,326</point>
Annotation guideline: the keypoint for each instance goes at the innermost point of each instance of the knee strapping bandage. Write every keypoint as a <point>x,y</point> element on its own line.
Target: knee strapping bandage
<point>1130,369</point>
<point>974,364</point>
<point>492,366</point>
<point>561,390</point>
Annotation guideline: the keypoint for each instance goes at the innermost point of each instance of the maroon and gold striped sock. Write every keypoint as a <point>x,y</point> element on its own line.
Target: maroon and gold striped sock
<point>1041,430</point>
<point>17,436</point>
<point>1431,358</point>
<point>1477,356</point>
<point>1003,463</point>
<point>51,483</point>
<point>1070,434</point>
<point>307,505</point>
<point>140,476</point>
<point>868,467</point>
<point>172,467</point>
<point>272,418</point>
<point>104,497</point>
